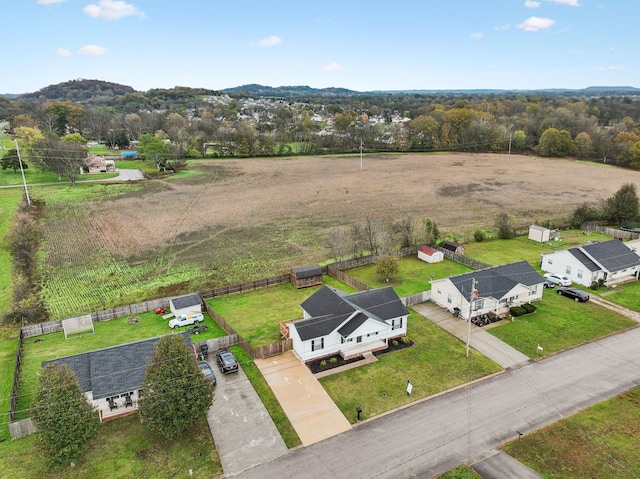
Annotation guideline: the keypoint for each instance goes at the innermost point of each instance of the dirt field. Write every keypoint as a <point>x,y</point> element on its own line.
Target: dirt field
<point>240,219</point>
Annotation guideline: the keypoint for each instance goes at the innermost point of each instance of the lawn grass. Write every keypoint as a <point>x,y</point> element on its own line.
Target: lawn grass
<point>107,333</point>
<point>627,295</point>
<point>435,363</point>
<point>8,346</point>
<point>122,449</point>
<point>601,441</point>
<point>255,315</point>
<point>280,419</point>
<point>559,323</point>
<point>460,472</point>
<point>413,276</point>
<point>521,248</point>
<point>9,201</point>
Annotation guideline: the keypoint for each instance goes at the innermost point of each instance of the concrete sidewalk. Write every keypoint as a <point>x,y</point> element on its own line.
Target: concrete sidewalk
<point>481,341</point>
<point>501,465</point>
<point>312,412</point>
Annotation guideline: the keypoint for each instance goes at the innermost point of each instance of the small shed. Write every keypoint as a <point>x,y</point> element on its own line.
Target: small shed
<point>539,233</point>
<point>306,276</point>
<point>453,246</point>
<point>188,305</point>
<point>430,255</point>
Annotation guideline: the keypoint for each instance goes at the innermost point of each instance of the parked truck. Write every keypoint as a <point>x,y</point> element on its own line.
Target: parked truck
<point>186,320</point>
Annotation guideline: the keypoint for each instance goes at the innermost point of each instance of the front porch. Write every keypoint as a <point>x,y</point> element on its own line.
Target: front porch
<point>359,349</point>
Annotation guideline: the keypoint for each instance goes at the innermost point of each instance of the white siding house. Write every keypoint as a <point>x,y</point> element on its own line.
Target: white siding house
<point>609,261</point>
<point>347,324</point>
<point>496,289</point>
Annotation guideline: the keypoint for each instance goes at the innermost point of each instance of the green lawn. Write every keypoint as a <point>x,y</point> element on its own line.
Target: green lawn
<point>107,333</point>
<point>560,323</point>
<point>435,363</point>
<point>122,449</point>
<point>600,442</point>
<point>497,252</point>
<point>627,295</point>
<point>280,419</point>
<point>413,277</point>
<point>8,345</point>
<point>9,201</point>
<point>256,315</point>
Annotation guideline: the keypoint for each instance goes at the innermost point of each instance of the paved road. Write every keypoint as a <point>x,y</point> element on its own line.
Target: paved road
<point>461,426</point>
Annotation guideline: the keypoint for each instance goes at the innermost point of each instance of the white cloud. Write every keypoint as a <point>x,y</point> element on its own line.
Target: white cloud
<point>571,3</point>
<point>92,50</point>
<point>112,10</point>
<point>533,24</point>
<point>271,41</point>
<point>503,27</point>
<point>531,4</point>
<point>49,2</point>
<point>332,67</point>
<point>477,36</point>
<point>63,52</point>
<point>610,68</point>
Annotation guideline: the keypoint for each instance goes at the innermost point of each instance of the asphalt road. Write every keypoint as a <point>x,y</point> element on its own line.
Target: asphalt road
<point>464,425</point>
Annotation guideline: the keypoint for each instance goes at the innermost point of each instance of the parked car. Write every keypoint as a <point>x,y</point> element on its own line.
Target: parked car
<point>558,279</point>
<point>549,284</point>
<point>184,320</point>
<point>207,371</point>
<point>161,310</point>
<point>574,293</point>
<point>227,362</point>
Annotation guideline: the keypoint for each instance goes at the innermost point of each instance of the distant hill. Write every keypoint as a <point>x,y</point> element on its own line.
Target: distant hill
<point>288,91</point>
<point>80,91</point>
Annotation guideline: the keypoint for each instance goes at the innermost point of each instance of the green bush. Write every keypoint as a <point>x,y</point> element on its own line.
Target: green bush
<point>517,311</point>
<point>333,360</point>
<point>405,339</point>
<point>395,343</point>
<point>479,236</point>
<point>323,363</point>
<point>529,308</point>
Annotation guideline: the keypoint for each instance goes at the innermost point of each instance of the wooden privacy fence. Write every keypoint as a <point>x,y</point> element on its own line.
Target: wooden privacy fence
<point>616,233</point>
<point>24,427</point>
<point>462,259</point>
<point>417,298</point>
<point>16,378</point>
<point>346,279</point>
<point>245,287</point>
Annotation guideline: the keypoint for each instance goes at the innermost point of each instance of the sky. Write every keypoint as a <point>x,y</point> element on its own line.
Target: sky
<point>362,45</point>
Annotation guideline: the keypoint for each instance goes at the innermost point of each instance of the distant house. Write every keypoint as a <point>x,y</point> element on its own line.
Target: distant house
<point>187,305</point>
<point>347,324</point>
<point>496,289</point>
<point>610,261</point>
<point>539,233</point>
<point>98,164</point>
<point>306,276</point>
<point>111,378</point>
<point>453,246</point>
<point>430,255</point>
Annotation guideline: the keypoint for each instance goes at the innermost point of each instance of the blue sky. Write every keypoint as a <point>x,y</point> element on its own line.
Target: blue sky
<point>356,44</point>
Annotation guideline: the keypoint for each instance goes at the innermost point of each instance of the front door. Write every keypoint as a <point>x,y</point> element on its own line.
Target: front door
<point>359,339</point>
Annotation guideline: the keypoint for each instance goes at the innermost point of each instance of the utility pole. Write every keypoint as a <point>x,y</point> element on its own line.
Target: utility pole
<point>472,297</point>
<point>360,155</point>
<point>24,181</point>
<point>509,142</point>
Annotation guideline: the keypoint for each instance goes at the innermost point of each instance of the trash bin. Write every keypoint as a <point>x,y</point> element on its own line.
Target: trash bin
<point>204,351</point>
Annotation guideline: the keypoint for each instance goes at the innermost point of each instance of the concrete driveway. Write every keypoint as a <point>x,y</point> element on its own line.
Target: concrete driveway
<point>242,429</point>
<point>312,412</point>
<point>481,341</point>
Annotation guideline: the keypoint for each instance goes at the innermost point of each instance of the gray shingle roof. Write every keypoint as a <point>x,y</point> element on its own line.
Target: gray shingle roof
<point>187,300</point>
<point>307,271</point>
<point>115,370</point>
<point>329,308</point>
<point>497,281</point>
<point>584,259</point>
<point>613,255</point>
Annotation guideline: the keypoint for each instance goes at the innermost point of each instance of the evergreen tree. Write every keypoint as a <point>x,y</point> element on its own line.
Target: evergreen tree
<point>176,394</point>
<point>64,417</point>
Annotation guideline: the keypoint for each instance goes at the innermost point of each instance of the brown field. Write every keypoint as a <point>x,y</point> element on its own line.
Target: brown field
<point>243,219</point>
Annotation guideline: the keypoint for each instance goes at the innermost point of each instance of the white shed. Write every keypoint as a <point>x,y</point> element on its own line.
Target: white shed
<point>430,255</point>
<point>539,233</point>
<point>187,305</point>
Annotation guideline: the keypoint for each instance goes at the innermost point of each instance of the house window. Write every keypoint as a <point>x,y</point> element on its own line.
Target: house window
<point>568,270</point>
<point>478,304</point>
<point>449,299</point>
<point>317,344</point>
<point>396,325</point>
<point>550,261</point>
<point>579,273</point>
<point>342,340</point>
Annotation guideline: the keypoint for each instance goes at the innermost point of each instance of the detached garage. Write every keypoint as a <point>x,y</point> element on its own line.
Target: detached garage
<point>430,255</point>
